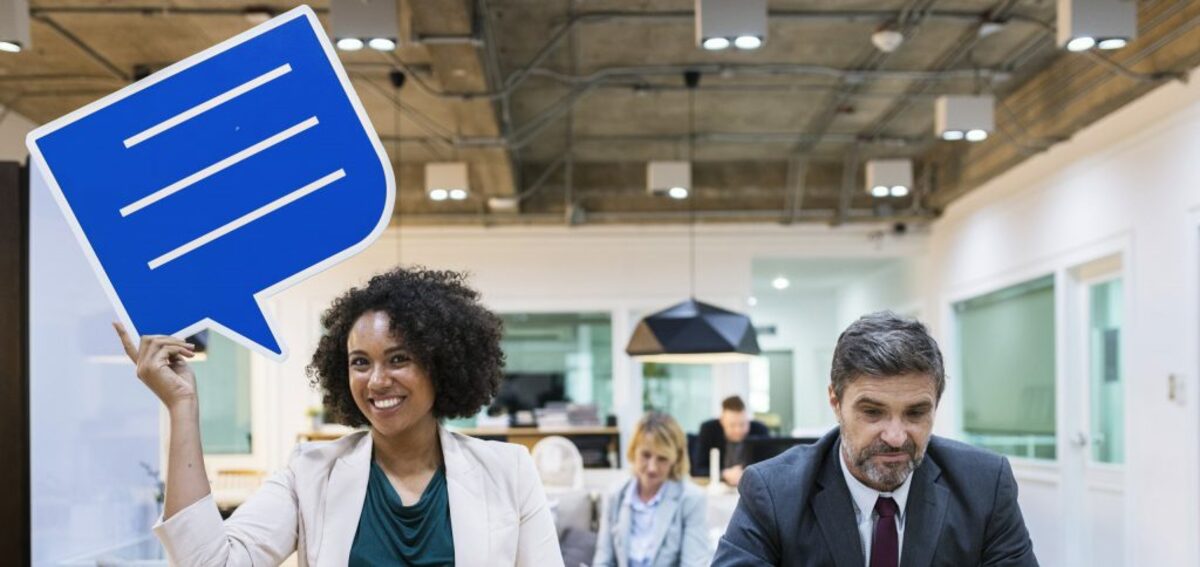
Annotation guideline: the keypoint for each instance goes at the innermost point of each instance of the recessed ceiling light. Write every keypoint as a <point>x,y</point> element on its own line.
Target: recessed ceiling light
<point>952,135</point>
<point>382,44</point>
<point>439,194</point>
<point>879,191</point>
<point>716,43</point>
<point>458,194</point>
<point>780,283</point>
<point>10,47</point>
<point>899,191</point>
<point>1081,44</point>
<point>748,42</point>
<point>751,301</point>
<point>1112,43</point>
<point>976,135</point>
<point>349,44</point>
<point>678,192</point>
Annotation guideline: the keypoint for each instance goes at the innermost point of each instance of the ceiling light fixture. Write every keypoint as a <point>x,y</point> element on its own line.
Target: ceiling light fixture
<point>447,180</point>
<point>382,44</point>
<point>781,283</point>
<point>721,23</point>
<point>256,15</point>
<point>1081,44</point>
<point>692,332</point>
<point>748,42</point>
<point>885,175</point>
<point>976,135</point>
<point>887,40</point>
<point>349,44</point>
<point>899,191</point>
<point>14,26</point>
<point>364,22</point>
<point>958,117</point>
<point>1107,24</point>
<point>678,192</point>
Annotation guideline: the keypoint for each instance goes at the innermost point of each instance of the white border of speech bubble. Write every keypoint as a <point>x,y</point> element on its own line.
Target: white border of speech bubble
<point>260,297</point>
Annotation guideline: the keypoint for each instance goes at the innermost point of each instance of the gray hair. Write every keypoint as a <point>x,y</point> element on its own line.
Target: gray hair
<point>885,344</point>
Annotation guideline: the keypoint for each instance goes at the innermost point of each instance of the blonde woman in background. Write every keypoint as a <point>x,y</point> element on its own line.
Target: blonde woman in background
<point>657,518</point>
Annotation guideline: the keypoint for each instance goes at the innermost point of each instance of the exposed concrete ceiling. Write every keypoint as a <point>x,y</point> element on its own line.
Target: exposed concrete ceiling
<point>561,103</point>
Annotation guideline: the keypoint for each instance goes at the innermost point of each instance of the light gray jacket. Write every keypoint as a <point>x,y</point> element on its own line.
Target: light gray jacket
<point>680,527</point>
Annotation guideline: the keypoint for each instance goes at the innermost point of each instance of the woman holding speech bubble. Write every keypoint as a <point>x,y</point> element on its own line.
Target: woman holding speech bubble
<point>410,349</point>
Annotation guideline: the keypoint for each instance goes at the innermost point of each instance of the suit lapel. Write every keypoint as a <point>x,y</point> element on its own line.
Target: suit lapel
<point>927,501</point>
<point>672,490</point>
<point>468,504</point>
<point>344,496</point>
<point>621,533</point>
<point>834,510</point>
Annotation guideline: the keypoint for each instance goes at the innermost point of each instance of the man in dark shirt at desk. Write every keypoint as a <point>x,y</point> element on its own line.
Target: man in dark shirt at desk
<point>727,433</point>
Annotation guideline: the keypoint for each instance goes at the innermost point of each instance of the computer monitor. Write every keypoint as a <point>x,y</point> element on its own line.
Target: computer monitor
<point>759,449</point>
<point>530,390</point>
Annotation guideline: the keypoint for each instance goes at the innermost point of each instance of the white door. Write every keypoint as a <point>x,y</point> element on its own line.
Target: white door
<point>1094,452</point>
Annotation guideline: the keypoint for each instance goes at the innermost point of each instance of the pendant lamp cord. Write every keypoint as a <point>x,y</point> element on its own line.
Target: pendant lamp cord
<point>691,79</point>
<point>397,78</point>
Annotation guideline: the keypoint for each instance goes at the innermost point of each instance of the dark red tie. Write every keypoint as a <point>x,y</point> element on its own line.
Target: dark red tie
<point>885,548</point>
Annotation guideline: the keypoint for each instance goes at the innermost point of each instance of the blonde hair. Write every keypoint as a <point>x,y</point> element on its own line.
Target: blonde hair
<point>663,434</point>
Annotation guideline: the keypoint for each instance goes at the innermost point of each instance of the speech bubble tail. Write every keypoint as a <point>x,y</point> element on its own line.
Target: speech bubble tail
<point>250,328</point>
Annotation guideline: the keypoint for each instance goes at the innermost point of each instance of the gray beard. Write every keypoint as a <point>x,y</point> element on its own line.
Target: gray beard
<point>884,478</point>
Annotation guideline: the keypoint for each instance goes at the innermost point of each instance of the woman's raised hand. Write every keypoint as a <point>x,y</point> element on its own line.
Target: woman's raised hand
<point>162,366</point>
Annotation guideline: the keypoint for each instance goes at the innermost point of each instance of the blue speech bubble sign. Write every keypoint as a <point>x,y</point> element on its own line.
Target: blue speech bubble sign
<point>221,180</point>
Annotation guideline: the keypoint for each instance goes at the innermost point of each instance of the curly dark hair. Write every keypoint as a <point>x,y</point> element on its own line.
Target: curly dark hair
<point>444,328</point>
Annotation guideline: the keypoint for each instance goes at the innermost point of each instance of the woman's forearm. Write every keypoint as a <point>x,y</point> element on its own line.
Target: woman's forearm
<point>187,481</point>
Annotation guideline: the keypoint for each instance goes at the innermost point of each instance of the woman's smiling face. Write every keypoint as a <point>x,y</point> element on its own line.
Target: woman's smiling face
<point>388,386</point>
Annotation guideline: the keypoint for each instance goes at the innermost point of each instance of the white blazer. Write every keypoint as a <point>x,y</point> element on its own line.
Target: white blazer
<point>498,511</point>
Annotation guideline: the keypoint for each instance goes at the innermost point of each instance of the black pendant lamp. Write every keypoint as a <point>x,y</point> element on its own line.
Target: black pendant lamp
<point>694,332</point>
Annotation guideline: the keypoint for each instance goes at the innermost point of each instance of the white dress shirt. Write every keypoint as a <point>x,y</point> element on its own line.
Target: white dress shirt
<point>864,498</point>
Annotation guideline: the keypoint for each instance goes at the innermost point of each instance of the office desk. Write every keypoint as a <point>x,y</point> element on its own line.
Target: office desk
<point>527,436</point>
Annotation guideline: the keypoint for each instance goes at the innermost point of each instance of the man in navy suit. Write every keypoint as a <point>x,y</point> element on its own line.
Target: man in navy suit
<point>880,490</point>
<point>728,435</point>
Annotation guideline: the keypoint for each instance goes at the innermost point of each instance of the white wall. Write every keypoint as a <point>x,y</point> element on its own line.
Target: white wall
<point>1129,183</point>
<point>806,323</point>
<point>897,286</point>
<point>628,271</point>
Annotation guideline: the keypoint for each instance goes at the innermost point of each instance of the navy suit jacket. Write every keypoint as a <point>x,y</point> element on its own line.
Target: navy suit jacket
<point>712,435</point>
<point>796,509</point>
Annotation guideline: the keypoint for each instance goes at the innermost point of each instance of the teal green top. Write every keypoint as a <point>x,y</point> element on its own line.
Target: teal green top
<point>390,533</point>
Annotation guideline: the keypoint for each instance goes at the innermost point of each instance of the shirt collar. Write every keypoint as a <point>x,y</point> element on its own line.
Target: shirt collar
<point>865,496</point>
<point>631,495</point>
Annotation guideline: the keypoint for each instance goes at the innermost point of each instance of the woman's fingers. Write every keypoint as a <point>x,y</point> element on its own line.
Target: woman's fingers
<point>126,343</point>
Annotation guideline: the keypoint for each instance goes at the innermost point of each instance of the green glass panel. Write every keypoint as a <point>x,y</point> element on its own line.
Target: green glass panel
<point>1007,348</point>
<point>223,387</point>
<point>682,390</point>
<point>1106,376</point>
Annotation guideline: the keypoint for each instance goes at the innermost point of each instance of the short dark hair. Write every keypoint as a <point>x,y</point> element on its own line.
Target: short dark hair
<point>444,328</point>
<point>733,403</point>
<point>885,344</point>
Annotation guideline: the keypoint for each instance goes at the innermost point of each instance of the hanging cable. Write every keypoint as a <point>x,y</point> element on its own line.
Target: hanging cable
<point>397,78</point>
<point>692,79</point>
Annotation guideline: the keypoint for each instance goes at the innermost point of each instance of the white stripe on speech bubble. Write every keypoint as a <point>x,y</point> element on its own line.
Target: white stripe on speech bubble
<point>216,168</point>
<point>248,218</point>
<point>207,105</point>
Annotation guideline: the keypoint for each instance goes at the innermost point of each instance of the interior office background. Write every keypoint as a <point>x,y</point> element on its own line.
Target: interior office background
<point>1084,260</point>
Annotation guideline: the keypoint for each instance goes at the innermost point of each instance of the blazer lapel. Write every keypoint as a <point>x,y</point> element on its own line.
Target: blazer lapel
<point>344,496</point>
<point>621,531</point>
<point>926,512</point>
<point>834,510</point>
<point>672,491</point>
<point>468,504</point>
